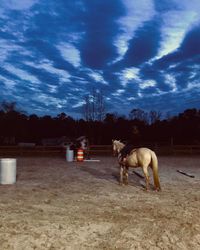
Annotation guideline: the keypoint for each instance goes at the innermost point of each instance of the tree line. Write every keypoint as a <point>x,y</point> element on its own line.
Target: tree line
<point>139,127</point>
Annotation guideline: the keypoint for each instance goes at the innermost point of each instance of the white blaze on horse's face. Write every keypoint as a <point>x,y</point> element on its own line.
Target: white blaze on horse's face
<point>117,147</point>
<point>114,150</point>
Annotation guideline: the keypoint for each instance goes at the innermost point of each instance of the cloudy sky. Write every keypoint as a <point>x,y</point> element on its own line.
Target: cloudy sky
<point>140,53</point>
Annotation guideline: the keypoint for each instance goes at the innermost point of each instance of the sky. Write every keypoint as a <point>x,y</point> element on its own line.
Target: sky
<point>139,53</point>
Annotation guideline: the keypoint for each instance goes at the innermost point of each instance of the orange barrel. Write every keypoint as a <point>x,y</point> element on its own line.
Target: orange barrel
<point>80,156</point>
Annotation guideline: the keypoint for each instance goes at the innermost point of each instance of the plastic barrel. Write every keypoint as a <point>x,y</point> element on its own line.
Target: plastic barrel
<point>80,156</point>
<point>8,171</point>
<point>69,155</point>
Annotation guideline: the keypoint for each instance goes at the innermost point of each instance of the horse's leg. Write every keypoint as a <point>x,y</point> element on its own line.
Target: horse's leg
<point>121,178</point>
<point>146,174</point>
<point>126,175</point>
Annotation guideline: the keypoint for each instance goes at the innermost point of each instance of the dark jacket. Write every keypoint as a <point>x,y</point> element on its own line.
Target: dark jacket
<point>126,150</point>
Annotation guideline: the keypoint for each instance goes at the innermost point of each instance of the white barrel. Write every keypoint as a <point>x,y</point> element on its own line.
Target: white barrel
<point>7,171</point>
<point>69,155</point>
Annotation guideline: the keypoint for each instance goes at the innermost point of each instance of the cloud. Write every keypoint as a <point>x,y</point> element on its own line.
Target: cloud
<point>18,5</point>
<point>96,75</point>
<point>70,53</point>
<point>171,81</point>
<point>47,66</point>
<point>174,29</point>
<point>7,48</point>
<point>127,75</point>
<point>21,74</point>
<point>139,53</point>
<point>8,85</point>
<point>188,50</point>
<point>100,31</point>
<point>118,92</point>
<point>49,101</point>
<point>144,45</point>
<point>137,12</point>
<point>147,84</point>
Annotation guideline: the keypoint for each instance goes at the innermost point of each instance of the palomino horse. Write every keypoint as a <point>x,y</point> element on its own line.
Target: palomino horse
<point>138,157</point>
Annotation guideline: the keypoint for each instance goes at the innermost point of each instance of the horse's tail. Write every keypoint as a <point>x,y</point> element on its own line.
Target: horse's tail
<point>154,164</point>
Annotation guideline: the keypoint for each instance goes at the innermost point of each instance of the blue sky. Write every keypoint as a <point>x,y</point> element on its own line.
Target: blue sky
<point>141,54</point>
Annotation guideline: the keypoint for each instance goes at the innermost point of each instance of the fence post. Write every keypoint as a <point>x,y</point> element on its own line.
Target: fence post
<point>172,145</point>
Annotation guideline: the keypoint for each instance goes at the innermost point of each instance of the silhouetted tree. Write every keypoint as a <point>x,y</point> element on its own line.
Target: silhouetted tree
<point>138,114</point>
<point>110,118</point>
<point>94,107</point>
<point>61,116</point>
<point>8,106</point>
<point>142,127</point>
<point>154,116</point>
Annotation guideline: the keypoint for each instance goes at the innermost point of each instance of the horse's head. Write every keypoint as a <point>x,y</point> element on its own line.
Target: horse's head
<point>117,146</point>
<point>114,147</point>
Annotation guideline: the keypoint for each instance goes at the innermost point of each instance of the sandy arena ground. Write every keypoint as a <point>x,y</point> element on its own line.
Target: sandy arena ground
<point>59,205</point>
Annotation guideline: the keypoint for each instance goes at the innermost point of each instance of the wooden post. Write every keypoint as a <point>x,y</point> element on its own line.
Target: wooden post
<point>172,144</point>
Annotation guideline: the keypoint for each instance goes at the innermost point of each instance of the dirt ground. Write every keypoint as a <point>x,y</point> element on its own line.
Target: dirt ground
<point>59,205</point>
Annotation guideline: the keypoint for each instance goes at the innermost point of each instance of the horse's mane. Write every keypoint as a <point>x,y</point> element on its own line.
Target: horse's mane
<point>118,144</point>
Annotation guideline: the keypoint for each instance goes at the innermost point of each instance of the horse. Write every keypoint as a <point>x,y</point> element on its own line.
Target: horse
<point>136,157</point>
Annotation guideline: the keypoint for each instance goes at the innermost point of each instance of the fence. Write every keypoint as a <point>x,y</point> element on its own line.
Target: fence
<point>186,149</point>
<point>9,151</point>
<point>159,149</point>
<point>29,151</point>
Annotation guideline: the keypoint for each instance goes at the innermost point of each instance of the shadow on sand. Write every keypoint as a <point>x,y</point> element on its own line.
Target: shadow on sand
<point>113,176</point>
